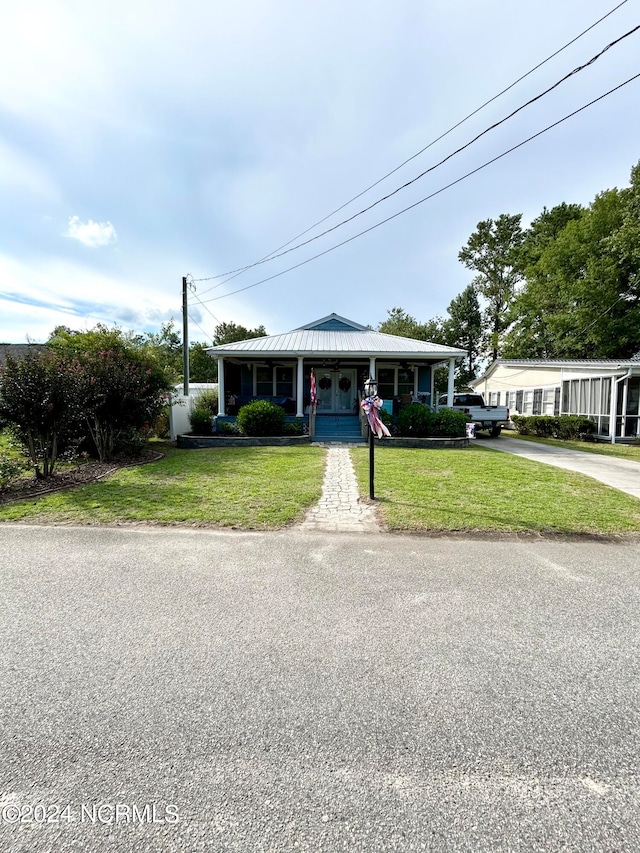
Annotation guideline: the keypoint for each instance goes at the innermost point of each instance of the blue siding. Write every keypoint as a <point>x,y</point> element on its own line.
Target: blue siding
<point>424,380</point>
<point>333,326</point>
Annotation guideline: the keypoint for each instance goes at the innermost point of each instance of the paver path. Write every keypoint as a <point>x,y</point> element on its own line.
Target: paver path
<point>339,507</point>
<point>621,474</point>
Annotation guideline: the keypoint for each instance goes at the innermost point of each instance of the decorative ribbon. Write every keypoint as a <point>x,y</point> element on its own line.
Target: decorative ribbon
<point>371,405</point>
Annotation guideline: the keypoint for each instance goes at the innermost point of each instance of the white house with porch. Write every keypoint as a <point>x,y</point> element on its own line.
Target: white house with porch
<point>342,354</point>
<point>605,390</point>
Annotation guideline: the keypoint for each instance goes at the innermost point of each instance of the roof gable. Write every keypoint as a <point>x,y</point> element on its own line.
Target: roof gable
<point>334,323</point>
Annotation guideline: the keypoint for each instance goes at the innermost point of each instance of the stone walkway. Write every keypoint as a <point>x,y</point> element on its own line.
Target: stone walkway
<point>340,508</point>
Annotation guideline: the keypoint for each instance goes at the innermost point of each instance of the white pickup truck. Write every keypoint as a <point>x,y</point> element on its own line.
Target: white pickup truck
<point>491,418</point>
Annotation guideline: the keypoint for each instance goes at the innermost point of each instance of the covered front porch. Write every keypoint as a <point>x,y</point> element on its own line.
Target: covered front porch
<point>342,355</point>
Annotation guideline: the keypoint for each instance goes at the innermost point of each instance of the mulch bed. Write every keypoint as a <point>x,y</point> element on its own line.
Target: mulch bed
<point>81,475</point>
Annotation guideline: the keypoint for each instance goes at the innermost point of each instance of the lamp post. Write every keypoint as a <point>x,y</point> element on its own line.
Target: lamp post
<point>370,391</point>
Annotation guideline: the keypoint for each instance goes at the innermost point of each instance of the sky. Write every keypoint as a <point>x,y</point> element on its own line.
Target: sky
<point>141,142</point>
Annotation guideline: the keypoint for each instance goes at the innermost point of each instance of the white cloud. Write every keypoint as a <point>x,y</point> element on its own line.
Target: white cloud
<point>93,234</point>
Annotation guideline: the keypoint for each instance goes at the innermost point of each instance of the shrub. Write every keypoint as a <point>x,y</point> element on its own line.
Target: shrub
<point>448,423</point>
<point>208,400</point>
<point>201,421</point>
<point>293,428</point>
<point>415,420</point>
<point>161,427</point>
<point>228,428</point>
<point>261,418</point>
<point>40,401</point>
<point>9,470</point>
<point>565,427</point>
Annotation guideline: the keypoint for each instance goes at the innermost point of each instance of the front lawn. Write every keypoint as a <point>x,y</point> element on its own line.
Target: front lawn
<point>246,487</point>
<point>478,489</point>
<point>623,451</point>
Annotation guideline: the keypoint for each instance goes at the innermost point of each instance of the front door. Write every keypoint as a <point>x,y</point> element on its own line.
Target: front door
<point>337,391</point>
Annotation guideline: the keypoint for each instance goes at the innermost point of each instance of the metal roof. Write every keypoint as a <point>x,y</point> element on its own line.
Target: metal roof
<point>604,363</point>
<point>314,342</point>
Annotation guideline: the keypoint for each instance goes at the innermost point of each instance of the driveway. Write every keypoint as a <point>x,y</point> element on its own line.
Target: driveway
<point>622,474</point>
<point>310,692</point>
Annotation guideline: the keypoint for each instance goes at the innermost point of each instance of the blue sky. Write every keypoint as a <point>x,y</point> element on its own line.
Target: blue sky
<point>143,141</point>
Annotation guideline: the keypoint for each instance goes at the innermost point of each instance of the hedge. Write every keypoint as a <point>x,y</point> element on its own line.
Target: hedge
<point>566,427</point>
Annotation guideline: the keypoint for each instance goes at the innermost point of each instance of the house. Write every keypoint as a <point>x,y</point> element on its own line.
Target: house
<point>605,390</point>
<point>342,354</point>
<point>17,351</point>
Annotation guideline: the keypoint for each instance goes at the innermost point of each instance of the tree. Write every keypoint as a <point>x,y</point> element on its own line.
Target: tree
<point>229,333</point>
<point>166,346</point>
<point>464,329</point>
<point>404,325</point>
<point>582,290</point>
<point>121,386</point>
<point>492,252</point>
<point>39,400</point>
<point>202,368</point>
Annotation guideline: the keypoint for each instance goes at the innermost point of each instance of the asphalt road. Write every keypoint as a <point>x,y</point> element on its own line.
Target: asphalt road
<point>312,692</point>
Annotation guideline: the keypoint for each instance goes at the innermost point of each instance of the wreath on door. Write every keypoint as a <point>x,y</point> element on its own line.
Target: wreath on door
<point>344,384</point>
<point>325,383</point>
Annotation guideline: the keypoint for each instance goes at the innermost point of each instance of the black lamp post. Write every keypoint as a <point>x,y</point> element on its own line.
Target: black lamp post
<point>370,391</point>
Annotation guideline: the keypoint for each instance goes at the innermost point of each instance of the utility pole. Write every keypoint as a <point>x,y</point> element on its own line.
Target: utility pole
<point>185,339</point>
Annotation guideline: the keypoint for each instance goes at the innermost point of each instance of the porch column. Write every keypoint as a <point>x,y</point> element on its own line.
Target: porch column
<point>372,368</point>
<point>221,404</point>
<point>452,375</point>
<point>625,392</point>
<point>613,408</point>
<point>300,389</point>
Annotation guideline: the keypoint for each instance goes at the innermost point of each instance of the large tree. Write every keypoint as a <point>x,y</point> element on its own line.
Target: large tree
<point>492,253</point>
<point>40,402</point>
<point>229,333</point>
<point>463,328</point>
<point>582,290</point>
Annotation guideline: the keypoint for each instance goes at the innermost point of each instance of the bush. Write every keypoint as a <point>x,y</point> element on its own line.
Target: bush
<point>201,421</point>
<point>261,418</point>
<point>227,428</point>
<point>565,427</point>
<point>161,427</point>
<point>9,470</point>
<point>208,400</point>
<point>448,423</point>
<point>415,420</point>
<point>293,428</point>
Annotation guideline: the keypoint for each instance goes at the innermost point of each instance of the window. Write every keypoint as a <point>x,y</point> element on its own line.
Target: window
<point>405,381</point>
<point>537,401</point>
<point>264,381</point>
<point>528,403</point>
<point>548,401</point>
<point>386,383</point>
<point>594,408</point>
<point>284,381</point>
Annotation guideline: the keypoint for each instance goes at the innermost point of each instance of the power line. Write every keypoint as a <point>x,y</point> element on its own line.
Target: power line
<point>234,273</point>
<point>431,195</point>
<point>206,334</point>
<point>404,186</point>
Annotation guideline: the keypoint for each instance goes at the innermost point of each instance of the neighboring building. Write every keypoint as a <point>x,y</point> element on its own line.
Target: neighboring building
<point>342,354</point>
<point>605,390</point>
<point>17,351</point>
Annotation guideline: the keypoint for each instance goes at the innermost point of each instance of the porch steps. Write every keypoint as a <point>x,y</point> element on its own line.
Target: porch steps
<point>338,428</point>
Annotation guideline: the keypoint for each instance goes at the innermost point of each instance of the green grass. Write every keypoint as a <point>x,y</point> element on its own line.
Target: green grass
<point>7,446</point>
<point>623,451</point>
<point>247,487</point>
<point>478,489</point>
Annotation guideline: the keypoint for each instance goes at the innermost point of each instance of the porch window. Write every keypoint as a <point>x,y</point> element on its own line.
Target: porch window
<point>386,383</point>
<point>284,382</point>
<point>264,381</point>
<point>405,382</point>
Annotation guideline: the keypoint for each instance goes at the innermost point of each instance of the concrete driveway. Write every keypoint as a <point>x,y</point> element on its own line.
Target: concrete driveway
<point>305,692</point>
<point>621,474</point>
